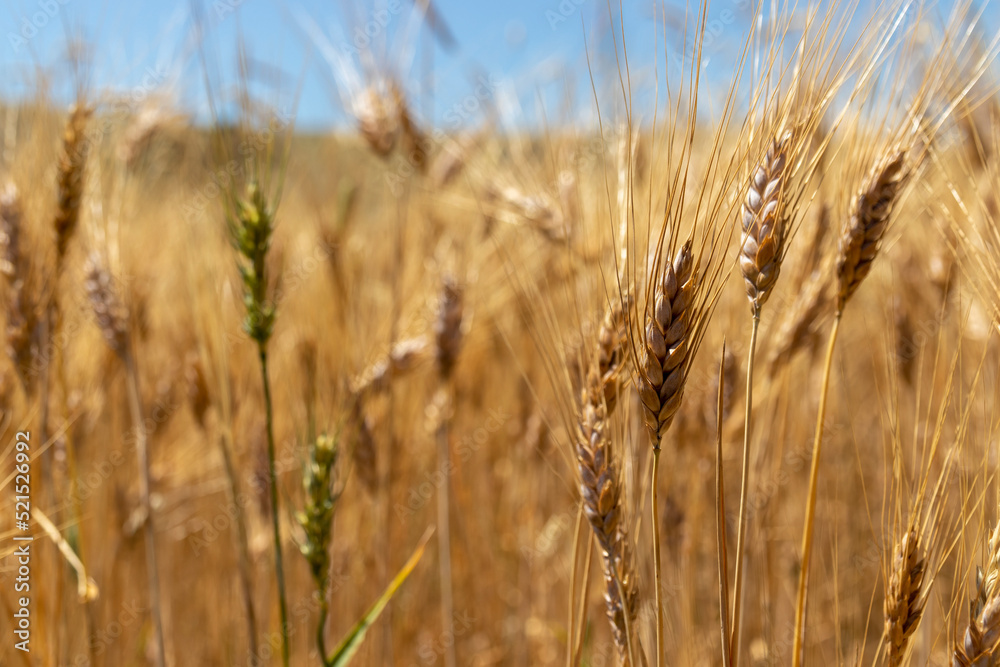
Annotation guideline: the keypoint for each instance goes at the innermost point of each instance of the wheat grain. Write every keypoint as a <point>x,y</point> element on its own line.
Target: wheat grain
<point>11,257</point>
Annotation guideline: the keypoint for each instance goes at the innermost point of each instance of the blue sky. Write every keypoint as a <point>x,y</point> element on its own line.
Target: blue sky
<point>528,56</point>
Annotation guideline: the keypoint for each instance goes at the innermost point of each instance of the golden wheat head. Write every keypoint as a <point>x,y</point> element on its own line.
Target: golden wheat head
<point>872,210</point>
<point>763,243</point>
<point>666,344</point>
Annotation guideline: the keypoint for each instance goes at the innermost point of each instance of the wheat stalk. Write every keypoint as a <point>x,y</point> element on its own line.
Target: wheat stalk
<point>762,250</point>
<point>251,225</point>
<point>448,336</point>
<point>859,243</point>
<point>661,375</point>
<point>112,319</point>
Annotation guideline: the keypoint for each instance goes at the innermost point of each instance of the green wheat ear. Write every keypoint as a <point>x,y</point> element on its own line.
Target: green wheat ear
<point>251,225</point>
<point>317,518</point>
<point>251,222</point>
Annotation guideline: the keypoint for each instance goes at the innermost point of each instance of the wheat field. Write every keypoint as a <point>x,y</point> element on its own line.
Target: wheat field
<point>712,380</point>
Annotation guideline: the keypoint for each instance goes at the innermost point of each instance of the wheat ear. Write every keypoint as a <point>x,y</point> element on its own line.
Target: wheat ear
<point>661,378</point>
<point>69,186</point>
<point>664,366</point>
<point>761,253</point>
<point>15,265</point>
<point>600,482</point>
<point>859,244</point>
<point>251,224</point>
<point>316,519</point>
<point>860,241</point>
<point>904,599</point>
<point>69,177</point>
<point>109,312</point>
<point>112,319</point>
<point>378,120</point>
<point>762,247</point>
<point>978,647</point>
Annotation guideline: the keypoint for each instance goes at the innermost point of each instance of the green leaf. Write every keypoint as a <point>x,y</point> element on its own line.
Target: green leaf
<point>352,642</point>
